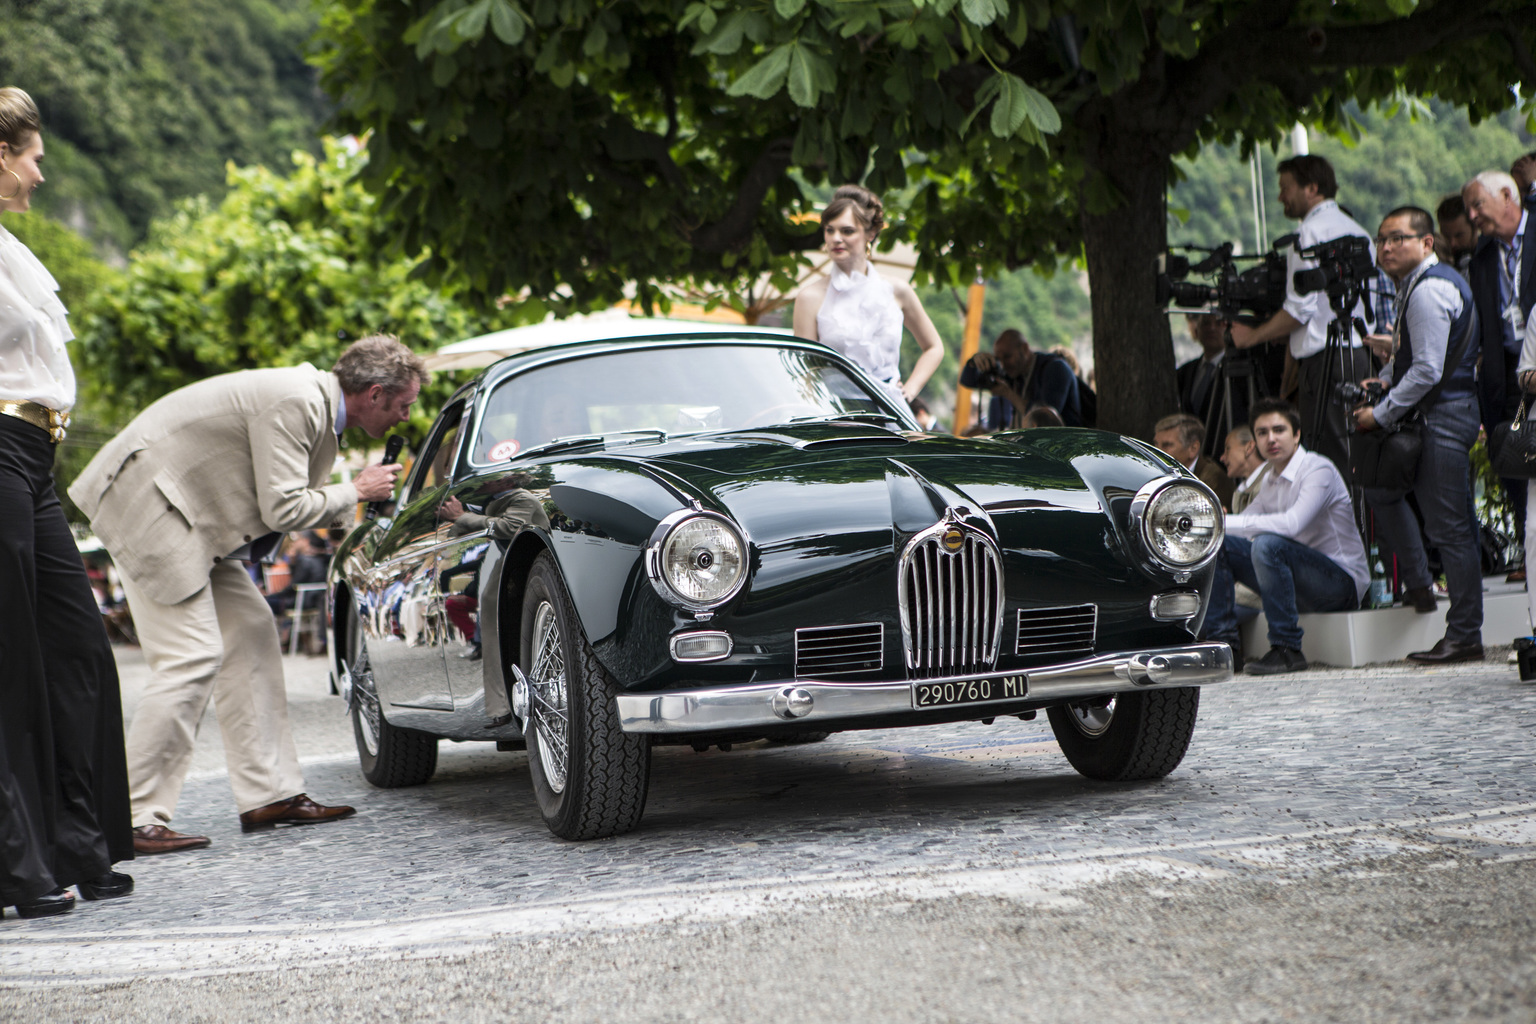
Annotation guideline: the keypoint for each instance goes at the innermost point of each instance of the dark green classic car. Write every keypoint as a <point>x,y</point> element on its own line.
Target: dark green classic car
<point>712,539</point>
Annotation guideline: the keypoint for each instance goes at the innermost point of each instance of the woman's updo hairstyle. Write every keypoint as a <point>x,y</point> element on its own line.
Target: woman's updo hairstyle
<point>866,206</point>
<point>19,119</point>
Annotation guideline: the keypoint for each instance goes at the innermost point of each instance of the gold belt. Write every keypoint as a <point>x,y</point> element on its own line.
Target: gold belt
<point>48,419</point>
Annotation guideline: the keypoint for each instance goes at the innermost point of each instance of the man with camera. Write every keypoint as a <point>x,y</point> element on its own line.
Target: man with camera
<point>1296,545</point>
<point>1431,378</point>
<point>1020,378</point>
<point>1307,188</point>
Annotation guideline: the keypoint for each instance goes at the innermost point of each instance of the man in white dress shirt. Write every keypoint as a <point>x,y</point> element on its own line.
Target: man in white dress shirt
<point>1307,188</point>
<point>1296,544</point>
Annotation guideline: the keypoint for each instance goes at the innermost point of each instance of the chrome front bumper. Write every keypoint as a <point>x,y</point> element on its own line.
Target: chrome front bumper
<point>812,702</point>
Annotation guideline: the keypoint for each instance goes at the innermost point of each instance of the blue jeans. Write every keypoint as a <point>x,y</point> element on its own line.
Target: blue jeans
<point>1443,489</point>
<point>1289,577</point>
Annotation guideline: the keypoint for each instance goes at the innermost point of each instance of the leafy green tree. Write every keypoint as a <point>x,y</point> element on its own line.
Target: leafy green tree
<point>143,101</point>
<point>571,147</point>
<point>282,270</point>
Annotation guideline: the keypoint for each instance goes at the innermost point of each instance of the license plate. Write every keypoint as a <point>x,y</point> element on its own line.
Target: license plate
<point>969,691</point>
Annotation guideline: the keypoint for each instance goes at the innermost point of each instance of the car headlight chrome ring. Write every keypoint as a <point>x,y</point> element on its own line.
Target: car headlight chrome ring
<point>1179,525</point>
<point>697,560</point>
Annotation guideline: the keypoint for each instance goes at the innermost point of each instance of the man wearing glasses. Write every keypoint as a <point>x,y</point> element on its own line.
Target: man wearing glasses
<point>1431,360</point>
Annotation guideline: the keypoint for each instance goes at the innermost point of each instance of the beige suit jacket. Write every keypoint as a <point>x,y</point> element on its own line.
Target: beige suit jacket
<point>211,466</point>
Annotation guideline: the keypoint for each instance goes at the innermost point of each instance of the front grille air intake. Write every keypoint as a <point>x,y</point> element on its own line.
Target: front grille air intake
<point>839,650</point>
<point>951,593</point>
<point>1051,632</point>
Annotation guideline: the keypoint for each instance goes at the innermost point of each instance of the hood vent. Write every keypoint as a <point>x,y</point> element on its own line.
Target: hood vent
<point>951,594</point>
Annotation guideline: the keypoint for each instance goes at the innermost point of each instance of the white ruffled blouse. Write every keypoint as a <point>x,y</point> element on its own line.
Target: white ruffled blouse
<point>860,318</point>
<point>34,326</point>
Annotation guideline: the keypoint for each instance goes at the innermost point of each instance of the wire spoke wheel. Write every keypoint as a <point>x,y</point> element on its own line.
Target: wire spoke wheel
<point>589,776</point>
<point>548,704</point>
<point>390,756</point>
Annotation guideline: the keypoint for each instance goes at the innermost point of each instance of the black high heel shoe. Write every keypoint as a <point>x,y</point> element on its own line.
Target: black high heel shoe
<point>107,887</point>
<point>56,902</point>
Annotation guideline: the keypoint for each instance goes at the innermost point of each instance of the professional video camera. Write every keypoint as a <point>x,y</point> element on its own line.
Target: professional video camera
<point>1254,294</point>
<point>1342,265</point>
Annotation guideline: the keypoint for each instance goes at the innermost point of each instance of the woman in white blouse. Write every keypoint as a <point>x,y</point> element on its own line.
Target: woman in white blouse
<point>64,814</point>
<point>857,311</point>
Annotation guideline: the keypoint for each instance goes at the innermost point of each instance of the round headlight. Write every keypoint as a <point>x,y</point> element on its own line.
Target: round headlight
<point>1182,525</point>
<point>703,561</point>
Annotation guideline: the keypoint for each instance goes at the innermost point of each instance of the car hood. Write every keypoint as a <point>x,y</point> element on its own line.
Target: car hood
<point>829,505</point>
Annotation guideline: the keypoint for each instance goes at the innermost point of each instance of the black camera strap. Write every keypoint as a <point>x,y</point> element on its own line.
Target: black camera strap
<point>1452,360</point>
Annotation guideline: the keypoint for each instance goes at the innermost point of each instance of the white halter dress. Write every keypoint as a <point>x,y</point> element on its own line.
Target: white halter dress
<point>860,318</point>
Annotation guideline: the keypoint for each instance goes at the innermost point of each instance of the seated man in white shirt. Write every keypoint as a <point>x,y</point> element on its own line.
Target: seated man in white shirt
<point>1296,544</point>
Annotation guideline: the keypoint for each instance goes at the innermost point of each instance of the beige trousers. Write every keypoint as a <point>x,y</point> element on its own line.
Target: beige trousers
<point>222,643</point>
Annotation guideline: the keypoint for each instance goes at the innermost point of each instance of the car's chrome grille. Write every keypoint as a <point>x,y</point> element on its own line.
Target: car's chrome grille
<point>839,650</point>
<point>1047,632</point>
<point>951,604</point>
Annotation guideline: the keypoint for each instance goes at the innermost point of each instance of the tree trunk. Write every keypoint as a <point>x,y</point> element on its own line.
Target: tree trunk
<point>1132,355</point>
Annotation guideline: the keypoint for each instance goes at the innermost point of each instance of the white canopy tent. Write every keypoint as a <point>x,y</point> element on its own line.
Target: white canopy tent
<point>473,353</point>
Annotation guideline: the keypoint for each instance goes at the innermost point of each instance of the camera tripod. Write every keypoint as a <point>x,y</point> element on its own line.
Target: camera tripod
<point>1237,364</point>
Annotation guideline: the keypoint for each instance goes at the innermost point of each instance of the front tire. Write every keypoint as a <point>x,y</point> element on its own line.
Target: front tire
<point>589,776</point>
<point>391,757</point>
<point>1139,735</point>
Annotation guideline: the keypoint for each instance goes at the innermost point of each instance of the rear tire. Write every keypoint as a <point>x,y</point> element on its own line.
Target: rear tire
<point>589,776</point>
<point>1143,734</point>
<point>391,757</point>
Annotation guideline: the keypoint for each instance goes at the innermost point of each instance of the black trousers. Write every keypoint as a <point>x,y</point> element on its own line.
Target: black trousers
<point>64,814</point>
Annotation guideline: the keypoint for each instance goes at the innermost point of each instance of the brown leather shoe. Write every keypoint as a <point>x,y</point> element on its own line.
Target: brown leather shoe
<point>151,839</point>
<point>299,810</point>
<point>1446,652</point>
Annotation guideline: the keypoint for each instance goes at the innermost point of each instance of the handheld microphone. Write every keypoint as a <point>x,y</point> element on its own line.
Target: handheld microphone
<point>391,453</point>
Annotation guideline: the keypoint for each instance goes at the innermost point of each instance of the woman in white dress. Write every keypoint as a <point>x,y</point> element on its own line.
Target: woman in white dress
<point>857,311</point>
<point>63,782</point>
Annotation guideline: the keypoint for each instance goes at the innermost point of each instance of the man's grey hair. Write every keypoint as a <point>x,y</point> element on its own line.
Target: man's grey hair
<point>1494,182</point>
<point>379,359</point>
<point>1191,430</point>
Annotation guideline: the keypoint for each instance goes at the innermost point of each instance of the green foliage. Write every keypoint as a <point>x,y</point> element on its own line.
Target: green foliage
<point>282,270</point>
<point>143,101</point>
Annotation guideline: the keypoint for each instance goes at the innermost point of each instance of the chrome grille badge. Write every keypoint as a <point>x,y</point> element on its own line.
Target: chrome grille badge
<point>951,592</point>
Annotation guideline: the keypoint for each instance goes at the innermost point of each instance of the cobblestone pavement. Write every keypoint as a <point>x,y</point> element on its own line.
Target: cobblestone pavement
<point>1288,779</point>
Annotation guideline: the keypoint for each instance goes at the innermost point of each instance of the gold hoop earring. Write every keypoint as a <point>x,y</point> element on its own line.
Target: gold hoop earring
<point>13,195</point>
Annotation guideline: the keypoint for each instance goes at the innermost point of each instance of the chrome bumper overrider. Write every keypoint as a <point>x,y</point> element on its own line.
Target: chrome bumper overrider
<point>779,703</point>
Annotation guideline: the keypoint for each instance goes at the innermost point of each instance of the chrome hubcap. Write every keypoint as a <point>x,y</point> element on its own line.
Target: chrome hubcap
<point>1091,720</point>
<point>366,697</point>
<point>548,706</point>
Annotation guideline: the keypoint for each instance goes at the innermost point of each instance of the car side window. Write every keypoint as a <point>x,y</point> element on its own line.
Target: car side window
<point>435,461</point>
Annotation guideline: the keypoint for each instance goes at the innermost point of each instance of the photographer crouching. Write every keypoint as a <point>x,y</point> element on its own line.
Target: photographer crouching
<point>1431,391</point>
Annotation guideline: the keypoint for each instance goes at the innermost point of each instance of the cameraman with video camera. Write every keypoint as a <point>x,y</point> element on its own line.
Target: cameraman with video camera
<point>1307,188</point>
<point>1431,380</point>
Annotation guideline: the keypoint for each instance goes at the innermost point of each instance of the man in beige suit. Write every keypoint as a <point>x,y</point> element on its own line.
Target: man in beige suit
<point>218,470</point>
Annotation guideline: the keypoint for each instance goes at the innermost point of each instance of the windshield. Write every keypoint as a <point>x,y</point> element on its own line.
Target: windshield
<point>672,390</point>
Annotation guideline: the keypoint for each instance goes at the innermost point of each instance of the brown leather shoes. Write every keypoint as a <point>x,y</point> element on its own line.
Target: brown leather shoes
<point>152,839</point>
<point>1447,652</point>
<point>299,810</point>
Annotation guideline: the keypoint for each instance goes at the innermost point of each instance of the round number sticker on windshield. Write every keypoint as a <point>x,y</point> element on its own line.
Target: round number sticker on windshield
<point>505,450</point>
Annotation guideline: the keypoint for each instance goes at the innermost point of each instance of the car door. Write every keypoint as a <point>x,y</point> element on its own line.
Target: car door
<point>409,627</point>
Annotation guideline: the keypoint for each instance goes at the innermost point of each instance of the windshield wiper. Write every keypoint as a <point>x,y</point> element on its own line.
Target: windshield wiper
<point>862,417</point>
<point>586,440</point>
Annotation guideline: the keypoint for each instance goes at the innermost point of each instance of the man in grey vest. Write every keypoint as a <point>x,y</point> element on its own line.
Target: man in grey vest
<point>1431,369</point>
